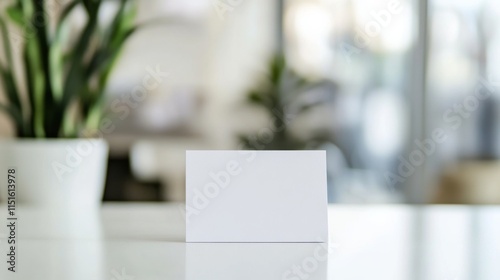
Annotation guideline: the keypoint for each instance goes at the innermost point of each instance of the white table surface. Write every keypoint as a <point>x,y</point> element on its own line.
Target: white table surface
<point>146,241</point>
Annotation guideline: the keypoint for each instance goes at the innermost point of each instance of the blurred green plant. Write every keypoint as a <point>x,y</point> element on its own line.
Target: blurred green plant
<point>277,93</point>
<point>65,73</point>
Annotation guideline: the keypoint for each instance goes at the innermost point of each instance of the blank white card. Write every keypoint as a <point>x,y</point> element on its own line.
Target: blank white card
<point>256,196</point>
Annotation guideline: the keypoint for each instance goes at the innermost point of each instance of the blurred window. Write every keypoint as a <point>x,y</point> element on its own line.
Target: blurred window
<point>365,47</point>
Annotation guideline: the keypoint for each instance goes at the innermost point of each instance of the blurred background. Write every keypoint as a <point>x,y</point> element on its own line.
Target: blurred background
<point>402,94</point>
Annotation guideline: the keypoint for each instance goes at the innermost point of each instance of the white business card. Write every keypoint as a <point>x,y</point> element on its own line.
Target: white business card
<point>256,196</point>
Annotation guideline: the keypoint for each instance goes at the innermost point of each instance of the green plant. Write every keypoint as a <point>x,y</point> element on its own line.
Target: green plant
<point>65,75</point>
<point>276,93</point>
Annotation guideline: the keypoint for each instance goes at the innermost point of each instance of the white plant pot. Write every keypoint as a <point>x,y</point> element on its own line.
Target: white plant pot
<point>55,173</point>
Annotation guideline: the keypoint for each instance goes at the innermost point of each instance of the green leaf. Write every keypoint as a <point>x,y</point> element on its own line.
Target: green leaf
<point>56,67</point>
<point>28,8</point>
<point>255,97</point>
<point>75,79</point>
<point>123,20</point>
<point>10,88</point>
<point>104,59</point>
<point>92,7</point>
<point>6,42</point>
<point>108,53</point>
<point>94,114</point>
<point>37,89</point>
<point>14,113</point>
<point>278,66</point>
<point>15,14</point>
<point>88,5</point>
<point>67,10</point>
<point>64,15</point>
<point>114,37</point>
<point>9,82</point>
<point>56,55</point>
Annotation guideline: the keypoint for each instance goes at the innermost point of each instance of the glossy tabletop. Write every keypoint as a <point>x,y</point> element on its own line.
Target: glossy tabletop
<point>146,241</point>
